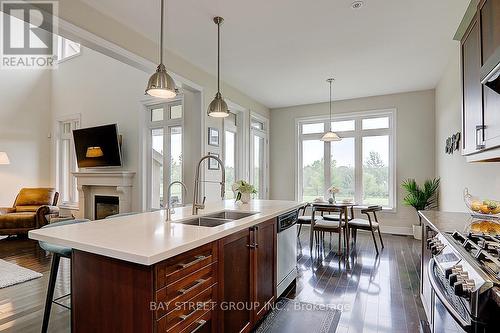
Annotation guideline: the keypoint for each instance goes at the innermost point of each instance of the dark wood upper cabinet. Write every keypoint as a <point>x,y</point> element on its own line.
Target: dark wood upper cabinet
<point>472,89</point>
<point>490,28</point>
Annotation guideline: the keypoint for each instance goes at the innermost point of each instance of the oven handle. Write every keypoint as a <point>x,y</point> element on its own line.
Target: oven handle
<point>437,290</point>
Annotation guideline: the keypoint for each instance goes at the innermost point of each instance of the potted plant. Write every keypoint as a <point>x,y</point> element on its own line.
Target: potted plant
<point>421,198</point>
<point>332,190</point>
<point>243,191</point>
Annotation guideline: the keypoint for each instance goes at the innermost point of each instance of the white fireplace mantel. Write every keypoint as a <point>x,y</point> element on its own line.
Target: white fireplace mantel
<point>112,183</point>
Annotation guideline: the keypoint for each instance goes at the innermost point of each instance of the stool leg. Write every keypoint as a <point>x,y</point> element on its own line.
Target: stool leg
<point>50,291</point>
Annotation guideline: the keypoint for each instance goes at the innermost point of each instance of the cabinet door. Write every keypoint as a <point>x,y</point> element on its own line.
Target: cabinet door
<point>264,267</point>
<point>472,90</point>
<point>235,280</point>
<point>490,28</point>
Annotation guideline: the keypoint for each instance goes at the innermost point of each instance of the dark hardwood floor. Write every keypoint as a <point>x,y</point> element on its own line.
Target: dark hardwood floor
<point>21,305</point>
<point>378,293</point>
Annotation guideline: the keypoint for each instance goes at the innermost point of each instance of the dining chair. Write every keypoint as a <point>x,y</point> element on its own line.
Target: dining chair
<point>302,218</point>
<point>369,224</point>
<point>319,225</point>
<point>57,252</point>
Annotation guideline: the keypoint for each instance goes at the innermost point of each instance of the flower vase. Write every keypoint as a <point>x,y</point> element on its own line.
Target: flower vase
<point>245,198</point>
<point>332,199</point>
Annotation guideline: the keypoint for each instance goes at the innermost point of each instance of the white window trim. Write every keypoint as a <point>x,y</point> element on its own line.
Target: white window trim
<point>57,162</point>
<point>60,61</point>
<point>166,124</point>
<point>265,135</point>
<point>393,194</point>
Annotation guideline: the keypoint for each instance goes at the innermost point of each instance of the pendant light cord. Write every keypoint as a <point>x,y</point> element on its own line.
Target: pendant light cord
<point>330,80</point>
<point>161,30</point>
<point>218,56</point>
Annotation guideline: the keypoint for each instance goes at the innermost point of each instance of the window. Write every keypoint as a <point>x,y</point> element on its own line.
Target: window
<point>258,157</point>
<point>66,49</point>
<point>360,165</point>
<point>165,141</point>
<point>66,162</point>
<point>230,153</point>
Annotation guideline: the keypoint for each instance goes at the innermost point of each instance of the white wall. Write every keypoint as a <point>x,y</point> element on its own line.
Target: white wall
<point>482,179</point>
<point>24,130</point>
<point>103,91</point>
<point>414,146</point>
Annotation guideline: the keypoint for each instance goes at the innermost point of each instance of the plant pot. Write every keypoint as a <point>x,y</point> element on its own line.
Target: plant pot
<point>417,231</point>
<point>245,198</point>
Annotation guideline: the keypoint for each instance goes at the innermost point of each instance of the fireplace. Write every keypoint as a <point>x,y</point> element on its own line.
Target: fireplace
<point>105,205</point>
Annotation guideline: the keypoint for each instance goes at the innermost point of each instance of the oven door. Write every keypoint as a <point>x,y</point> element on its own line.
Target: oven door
<point>448,312</point>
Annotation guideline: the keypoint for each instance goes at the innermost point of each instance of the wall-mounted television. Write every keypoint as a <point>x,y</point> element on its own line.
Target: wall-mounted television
<point>98,147</point>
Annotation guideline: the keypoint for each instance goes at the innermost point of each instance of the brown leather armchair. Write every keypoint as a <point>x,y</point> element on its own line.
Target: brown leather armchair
<point>30,211</point>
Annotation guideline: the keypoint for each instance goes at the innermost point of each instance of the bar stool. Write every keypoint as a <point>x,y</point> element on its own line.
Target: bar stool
<point>57,252</point>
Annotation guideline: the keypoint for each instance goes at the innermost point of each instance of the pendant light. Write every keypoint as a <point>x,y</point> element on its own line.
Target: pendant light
<point>161,84</point>
<point>218,107</point>
<point>330,136</point>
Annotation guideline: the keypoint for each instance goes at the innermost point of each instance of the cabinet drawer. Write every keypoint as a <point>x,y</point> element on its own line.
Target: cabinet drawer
<point>203,324</point>
<point>184,289</point>
<point>175,268</point>
<point>185,314</point>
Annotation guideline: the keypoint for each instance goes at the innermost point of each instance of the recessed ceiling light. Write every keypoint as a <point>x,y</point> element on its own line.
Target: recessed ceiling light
<point>357,4</point>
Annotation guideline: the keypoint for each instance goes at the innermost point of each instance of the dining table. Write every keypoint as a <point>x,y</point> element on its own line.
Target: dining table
<point>344,207</point>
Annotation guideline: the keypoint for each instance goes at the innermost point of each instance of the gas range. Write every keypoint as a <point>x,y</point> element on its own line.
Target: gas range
<point>464,273</point>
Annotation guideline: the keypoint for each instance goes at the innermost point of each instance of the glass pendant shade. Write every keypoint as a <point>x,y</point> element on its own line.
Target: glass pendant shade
<point>330,136</point>
<point>218,107</point>
<point>161,84</point>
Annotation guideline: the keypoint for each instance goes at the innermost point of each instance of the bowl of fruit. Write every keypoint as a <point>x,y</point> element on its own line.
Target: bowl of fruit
<point>481,206</point>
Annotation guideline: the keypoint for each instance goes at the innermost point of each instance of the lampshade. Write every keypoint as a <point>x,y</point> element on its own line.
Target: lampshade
<point>4,159</point>
<point>330,136</point>
<point>218,107</point>
<point>161,84</point>
<point>94,152</point>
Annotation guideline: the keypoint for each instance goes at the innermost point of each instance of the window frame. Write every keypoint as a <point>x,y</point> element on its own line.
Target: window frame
<point>61,50</point>
<point>75,120</point>
<point>358,135</point>
<point>166,124</point>
<point>264,134</point>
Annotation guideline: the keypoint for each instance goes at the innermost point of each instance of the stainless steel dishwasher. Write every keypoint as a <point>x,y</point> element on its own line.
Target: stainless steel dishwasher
<point>287,250</point>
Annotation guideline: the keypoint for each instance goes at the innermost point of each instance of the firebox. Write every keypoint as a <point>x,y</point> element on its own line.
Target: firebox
<point>105,205</point>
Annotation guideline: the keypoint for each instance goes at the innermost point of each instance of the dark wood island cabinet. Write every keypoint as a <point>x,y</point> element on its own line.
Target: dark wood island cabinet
<point>224,286</point>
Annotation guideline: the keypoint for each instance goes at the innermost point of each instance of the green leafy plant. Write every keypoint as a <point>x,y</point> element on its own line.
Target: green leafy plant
<point>421,197</point>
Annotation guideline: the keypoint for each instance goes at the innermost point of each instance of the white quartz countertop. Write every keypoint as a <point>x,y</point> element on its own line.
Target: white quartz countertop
<point>147,239</point>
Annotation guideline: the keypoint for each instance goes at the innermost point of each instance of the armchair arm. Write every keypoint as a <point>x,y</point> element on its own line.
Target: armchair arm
<point>42,212</point>
<point>7,210</point>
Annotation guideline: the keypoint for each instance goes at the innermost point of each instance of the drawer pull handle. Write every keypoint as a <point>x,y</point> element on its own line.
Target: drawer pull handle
<point>200,323</point>
<point>199,307</point>
<point>195,261</point>
<point>197,284</point>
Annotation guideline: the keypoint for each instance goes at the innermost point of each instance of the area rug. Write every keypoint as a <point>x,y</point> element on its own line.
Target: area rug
<point>11,274</point>
<point>292,316</point>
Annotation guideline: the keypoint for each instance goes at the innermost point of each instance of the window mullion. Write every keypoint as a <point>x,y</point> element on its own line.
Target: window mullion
<point>358,173</point>
<point>327,166</point>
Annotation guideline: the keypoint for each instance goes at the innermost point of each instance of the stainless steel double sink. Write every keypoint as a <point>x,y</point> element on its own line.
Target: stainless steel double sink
<point>216,219</point>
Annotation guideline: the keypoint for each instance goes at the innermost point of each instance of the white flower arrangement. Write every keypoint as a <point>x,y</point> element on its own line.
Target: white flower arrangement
<point>333,190</point>
<point>242,187</point>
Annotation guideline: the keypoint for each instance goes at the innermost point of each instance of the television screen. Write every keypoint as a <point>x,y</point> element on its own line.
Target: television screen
<point>97,147</point>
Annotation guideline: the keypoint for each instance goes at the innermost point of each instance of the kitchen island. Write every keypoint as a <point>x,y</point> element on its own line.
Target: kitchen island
<point>139,273</point>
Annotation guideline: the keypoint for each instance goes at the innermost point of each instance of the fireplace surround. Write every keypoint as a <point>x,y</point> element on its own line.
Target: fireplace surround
<point>115,184</point>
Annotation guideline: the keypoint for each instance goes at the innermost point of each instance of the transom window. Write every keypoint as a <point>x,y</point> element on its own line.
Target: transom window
<point>361,165</point>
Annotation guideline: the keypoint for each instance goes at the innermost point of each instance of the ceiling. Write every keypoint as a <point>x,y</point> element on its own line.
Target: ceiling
<point>280,52</point>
